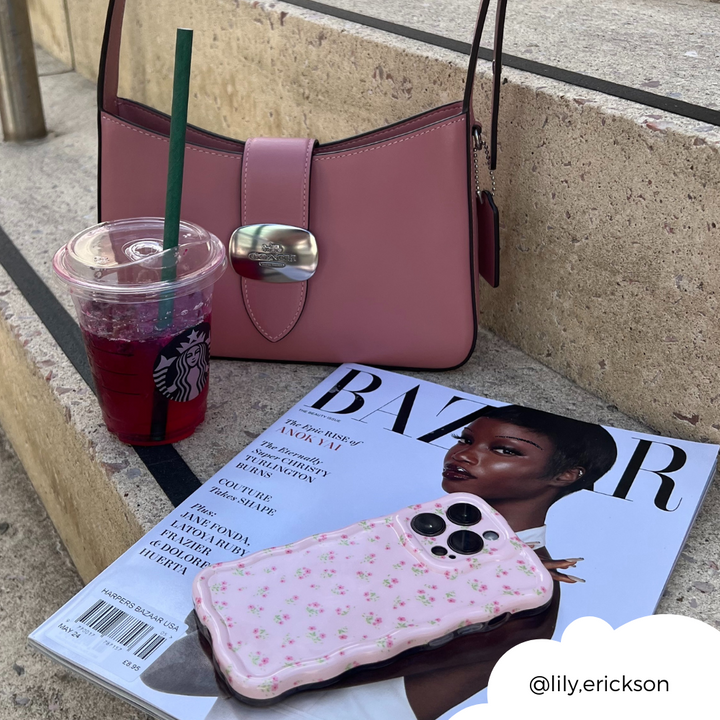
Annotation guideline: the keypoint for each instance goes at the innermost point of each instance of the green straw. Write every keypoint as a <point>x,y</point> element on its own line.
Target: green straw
<point>176,164</point>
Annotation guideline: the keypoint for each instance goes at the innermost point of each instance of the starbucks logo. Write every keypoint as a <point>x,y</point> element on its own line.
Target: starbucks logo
<point>182,367</point>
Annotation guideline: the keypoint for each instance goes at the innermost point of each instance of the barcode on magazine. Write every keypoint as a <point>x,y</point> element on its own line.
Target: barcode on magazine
<point>117,625</point>
<point>122,640</point>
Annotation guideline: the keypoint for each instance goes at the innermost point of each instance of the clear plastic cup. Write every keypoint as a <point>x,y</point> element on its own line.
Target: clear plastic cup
<point>147,339</point>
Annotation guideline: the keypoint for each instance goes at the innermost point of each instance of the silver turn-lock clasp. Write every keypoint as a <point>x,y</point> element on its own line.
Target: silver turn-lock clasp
<point>273,253</point>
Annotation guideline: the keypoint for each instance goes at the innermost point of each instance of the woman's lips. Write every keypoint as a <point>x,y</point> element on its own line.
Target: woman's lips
<point>456,472</point>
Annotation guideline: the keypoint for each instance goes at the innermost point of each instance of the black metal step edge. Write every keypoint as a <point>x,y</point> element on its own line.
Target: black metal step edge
<point>588,82</point>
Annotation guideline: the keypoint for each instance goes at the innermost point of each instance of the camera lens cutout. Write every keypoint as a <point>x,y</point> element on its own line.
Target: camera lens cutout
<point>465,542</point>
<point>428,524</point>
<point>438,550</point>
<point>490,535</point>
<point>463,514</point>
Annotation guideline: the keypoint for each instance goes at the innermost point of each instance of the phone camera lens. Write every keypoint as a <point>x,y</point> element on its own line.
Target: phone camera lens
<point>438,550</point>
<point>490,535</point>
<point>428,524</point>
<point>465,542</point>
<point>463,514</point>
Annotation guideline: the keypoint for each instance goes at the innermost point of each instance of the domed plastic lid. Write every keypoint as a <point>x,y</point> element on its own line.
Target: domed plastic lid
<point>124,260</point>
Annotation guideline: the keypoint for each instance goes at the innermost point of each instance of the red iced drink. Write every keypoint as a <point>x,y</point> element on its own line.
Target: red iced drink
<point>133,407</point>
<point>147,340</point>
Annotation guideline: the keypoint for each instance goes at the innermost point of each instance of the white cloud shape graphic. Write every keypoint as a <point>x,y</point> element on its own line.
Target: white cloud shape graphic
<point>661,667</point>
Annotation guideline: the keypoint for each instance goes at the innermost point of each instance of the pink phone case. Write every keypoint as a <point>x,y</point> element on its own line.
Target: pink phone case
<point>303,615</point>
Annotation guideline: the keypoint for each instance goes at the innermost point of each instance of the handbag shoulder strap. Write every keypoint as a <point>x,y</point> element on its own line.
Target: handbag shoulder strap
<point>110,58</point>
<point>110,61</point>
<point>497,69</point>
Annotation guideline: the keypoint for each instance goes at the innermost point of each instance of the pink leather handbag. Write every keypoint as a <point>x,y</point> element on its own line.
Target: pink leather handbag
<point>362,250</point>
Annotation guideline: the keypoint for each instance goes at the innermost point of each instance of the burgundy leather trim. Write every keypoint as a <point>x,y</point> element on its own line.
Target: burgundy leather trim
<point>159,122</point>
<point>402,127</point>
<point>108,118</point>
<point>389,141</point>
<point>275,189</point>
<point>129,110</point>
<point>473,237</point>
<point>110,57</point>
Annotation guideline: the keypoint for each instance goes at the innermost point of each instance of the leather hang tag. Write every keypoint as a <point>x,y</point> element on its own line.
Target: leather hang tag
<point>488,238</point>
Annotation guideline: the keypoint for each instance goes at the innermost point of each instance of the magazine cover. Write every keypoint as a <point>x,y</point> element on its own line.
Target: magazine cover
<point>606,511</point>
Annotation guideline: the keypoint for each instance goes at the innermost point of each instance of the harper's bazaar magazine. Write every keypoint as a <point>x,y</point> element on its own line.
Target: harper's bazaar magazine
<point>364,444</point>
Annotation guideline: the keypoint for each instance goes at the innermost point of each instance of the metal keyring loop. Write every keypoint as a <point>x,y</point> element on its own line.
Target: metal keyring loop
<point>479,143</point>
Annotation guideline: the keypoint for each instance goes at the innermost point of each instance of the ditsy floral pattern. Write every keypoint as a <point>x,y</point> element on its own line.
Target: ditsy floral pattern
<point>306,612</point>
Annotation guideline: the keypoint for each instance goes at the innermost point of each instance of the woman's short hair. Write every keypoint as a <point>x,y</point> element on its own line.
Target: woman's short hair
<point>577,443</point>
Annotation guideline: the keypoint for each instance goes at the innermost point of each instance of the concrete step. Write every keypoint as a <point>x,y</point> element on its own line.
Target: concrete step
<point>610,210</point>
<point>36,577</point>
<point>97,491</point>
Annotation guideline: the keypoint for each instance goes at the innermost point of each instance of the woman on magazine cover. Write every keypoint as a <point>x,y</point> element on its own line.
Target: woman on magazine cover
<point>520,461</point>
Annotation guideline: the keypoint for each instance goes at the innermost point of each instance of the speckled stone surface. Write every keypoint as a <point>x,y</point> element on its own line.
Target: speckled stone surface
<point>36,577</point>
<point>98,493</point>
<point>658,46</point>
<point>662,47</point>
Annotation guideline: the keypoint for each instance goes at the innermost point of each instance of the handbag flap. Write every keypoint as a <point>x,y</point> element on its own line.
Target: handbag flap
<point>275,191</point>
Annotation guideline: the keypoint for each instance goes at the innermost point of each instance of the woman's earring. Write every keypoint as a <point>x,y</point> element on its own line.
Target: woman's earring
<point>581,472</point>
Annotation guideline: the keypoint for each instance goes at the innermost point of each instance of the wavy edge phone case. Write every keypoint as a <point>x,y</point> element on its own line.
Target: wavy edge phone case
<point>304,615</point>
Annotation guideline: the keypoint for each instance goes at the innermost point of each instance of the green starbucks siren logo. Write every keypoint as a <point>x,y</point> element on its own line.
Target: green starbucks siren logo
<point>182,367</point>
